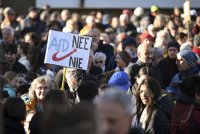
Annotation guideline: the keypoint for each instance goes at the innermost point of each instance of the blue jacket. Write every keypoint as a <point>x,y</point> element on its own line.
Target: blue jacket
<point>10,90</point>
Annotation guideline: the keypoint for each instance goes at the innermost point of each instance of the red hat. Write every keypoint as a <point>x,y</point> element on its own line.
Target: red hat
<point>127,11</point>
<point>145,36</point>
<point>196,50</point>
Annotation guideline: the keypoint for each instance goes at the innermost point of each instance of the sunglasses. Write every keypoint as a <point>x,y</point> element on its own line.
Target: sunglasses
<point>99,62</point>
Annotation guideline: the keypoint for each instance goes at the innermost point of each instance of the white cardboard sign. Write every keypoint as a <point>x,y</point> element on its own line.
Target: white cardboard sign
<point>68,50</point>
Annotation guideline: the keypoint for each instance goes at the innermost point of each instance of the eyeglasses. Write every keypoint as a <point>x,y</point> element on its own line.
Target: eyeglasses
<point>99,62</point>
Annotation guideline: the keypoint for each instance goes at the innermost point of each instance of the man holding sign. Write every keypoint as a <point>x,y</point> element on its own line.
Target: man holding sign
<point>70,51</point>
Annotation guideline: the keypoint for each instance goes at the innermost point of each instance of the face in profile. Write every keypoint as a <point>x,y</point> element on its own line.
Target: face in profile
<point>182,64</point>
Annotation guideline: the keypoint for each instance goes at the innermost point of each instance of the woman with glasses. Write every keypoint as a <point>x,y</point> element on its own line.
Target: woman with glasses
<point>100,60</point>
<point>37,91</point>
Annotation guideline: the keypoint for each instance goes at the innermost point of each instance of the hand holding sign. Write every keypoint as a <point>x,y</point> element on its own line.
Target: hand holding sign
<point>68,50</point>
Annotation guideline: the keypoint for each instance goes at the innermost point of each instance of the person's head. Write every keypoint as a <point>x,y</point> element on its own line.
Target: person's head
<point>32,13</point>
<point>197,41</point>
<point>30,76</point>
<point>55,102</point>
<point>14,108</point>
<point>123,59</point>
<point>33,54</point>
<point>70,26</point>
<point>65,15</point>
<point>11,53</point>
<point>129,44</point>
<point>148,92</point>
<point>186,59</point>
<point>172,49</point>
<point>22,49</point>
<point>146,39</point>
<point>123,20</point>
<point>144,53</point>
<point>22,89</point>
<point>190,86</point>
<point>80,119</point>
<point>9,13</point>
<point>104,37</point>
<point>90,21</point>
<point>157,55</point>
<point>114,109</point>
<point>39,87</point>
<point>94,33</point>
<point>87,91</point>
<point>20,80</point>
<point>154,10</point>
<point>160,21</point>
<point>99,59</point>
<point>32,39</point>
<point>181,38</point>
<point>8,35</point>
<point>147,71</point>
<point>74,77</point>
<point>151,30</point>
<point>119,80</point>
<point>162,38</point>
<point>177,11</point>
<point>11,78</point>
<point>115,22</point>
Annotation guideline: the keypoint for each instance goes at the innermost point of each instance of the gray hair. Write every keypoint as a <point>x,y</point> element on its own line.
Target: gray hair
<point>117,96</point>
<point>10,29</point>
<point>99,56</point>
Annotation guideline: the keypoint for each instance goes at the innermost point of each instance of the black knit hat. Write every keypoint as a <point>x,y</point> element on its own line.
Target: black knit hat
<point>173,44</point>
<point>128,42</point>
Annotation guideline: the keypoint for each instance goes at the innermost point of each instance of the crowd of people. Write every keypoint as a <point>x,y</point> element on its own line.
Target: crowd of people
<point>143,73</point>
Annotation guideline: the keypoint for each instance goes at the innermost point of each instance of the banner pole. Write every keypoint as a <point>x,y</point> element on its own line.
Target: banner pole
<point>63,79</point>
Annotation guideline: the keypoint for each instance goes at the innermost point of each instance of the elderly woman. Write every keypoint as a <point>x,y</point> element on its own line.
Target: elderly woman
<point>39,87</point>
<point>100,60</point>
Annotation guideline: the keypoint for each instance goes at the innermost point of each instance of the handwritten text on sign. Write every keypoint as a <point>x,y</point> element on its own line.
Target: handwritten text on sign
<point>68,50</point>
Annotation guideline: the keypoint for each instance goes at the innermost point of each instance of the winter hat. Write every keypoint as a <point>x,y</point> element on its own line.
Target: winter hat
<point>145,36</point>
<point>119,79</point>
<point>185,46</point>
<point>128,42</point>
<point>189,56</point>
<point>139,11</point>
<point>154,8</point>
<point>173,44</point>
<point>196,50</point>
<point>125,56</point>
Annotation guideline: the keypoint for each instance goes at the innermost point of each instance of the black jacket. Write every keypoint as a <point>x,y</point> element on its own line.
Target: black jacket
<point>12,126</point>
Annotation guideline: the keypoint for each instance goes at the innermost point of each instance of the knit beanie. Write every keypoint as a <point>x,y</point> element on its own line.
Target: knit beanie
<point>196,50</point>
<point>173,44</point>
<point>128,42</point>
<point>145,36</point>
<point>189,56</point>
<point>125,57</point>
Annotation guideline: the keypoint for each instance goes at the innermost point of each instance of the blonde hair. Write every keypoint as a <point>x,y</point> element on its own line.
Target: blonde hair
<point>45,79</point>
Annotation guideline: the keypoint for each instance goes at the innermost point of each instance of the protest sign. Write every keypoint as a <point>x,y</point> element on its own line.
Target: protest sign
<point>68,50</point>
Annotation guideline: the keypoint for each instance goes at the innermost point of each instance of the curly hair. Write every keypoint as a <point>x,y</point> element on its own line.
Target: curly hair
<point>47,80</point>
